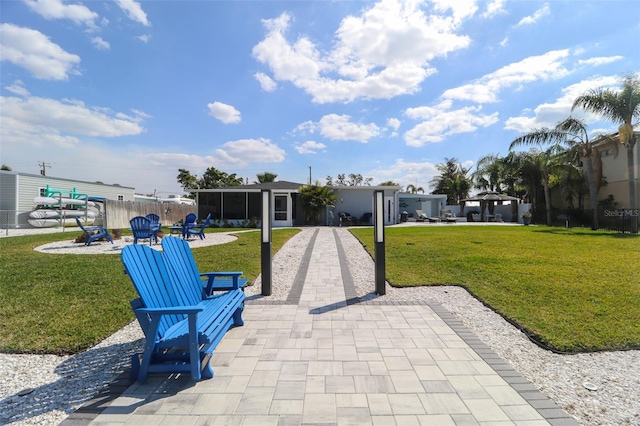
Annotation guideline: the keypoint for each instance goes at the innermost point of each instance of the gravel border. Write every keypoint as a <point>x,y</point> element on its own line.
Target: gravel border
<point>56,386</point>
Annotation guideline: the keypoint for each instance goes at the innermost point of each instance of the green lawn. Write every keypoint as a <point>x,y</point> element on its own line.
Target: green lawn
<point>573,290</point>
<point>63,304</point>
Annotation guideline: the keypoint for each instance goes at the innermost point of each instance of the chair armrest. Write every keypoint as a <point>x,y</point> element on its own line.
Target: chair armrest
<point>211,276</point>
<point>171,311</point>
<point>221,274</point>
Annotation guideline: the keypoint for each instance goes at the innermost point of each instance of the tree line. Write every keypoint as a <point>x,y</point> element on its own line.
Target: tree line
<point>563,156</point>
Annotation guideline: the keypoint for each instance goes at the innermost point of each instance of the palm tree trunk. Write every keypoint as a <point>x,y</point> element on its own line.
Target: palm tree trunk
<point>593,191</point>
<point>632,185</point>
<point>547,200</point>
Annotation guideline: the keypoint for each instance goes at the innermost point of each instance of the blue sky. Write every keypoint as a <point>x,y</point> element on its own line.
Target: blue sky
<point>128,92</point>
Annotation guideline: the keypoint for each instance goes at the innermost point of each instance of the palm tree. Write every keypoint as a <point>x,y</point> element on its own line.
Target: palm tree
<point>453,181</point>
<point>266,177</point>
<point>411,189</point>
<point>315,198</point>
<point>489,173</point>
<point>622,107</point>
<point>588,154</point>
<point>545,158</point>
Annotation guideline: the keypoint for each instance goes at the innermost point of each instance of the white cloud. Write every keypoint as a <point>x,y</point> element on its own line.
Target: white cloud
<point>134,11</point>
<point>310,147</point>
<point>144,38</point>
<point>266,82</point>
<point>549,114</point>
<point>380,54</point>
<point>244,151</point>
<point>441,121</point>
<point>495,7</point>
<point>100,44</point>
<point>225,113</point>
<point>403,172</point>
<point>394,123</point>
<point>40,121</point>
<point>36,53</point>
<point>602,60</point>
<point>55,9</point>
<point>460,9</point>
<point>549,66</point>
<point>17,88</point>
<point>339,127</point>
<point>537,15</point>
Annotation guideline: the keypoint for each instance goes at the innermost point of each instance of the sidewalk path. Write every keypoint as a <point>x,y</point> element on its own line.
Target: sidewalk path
<point>325,357</point>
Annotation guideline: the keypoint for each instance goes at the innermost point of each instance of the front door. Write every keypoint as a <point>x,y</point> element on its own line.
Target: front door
<point>281,210</point>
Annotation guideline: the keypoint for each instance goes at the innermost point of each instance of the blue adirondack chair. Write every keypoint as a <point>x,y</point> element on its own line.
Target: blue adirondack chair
<point>155,220</point>
<point>181,330</point>
<point>198,229</point>
<point>94,233</point>
<point>141,228</point>
<point>189,221</point>
<point>180,259</point>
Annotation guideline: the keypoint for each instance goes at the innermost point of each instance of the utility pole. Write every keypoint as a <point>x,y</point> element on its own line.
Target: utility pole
<point>309,175</point>
<point>43,166</point>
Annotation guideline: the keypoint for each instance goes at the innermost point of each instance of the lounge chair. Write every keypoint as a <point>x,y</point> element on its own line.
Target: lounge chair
<point>141,228</point>
<point>422,216</point>
<point>497,217</point>
<point>94,233</point>
<point>448,217</point>
<point>346,219</point>
<point>198,229</point>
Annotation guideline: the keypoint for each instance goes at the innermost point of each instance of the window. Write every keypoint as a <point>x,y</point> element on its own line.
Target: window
<point>120,197</point>
<point>210,202</point>
<point>234,205</point>
<point>255,205</point>
<point>43,192</point>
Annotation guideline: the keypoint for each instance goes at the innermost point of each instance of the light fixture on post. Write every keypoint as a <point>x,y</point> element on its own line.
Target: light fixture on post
<point>378,232</point>
<point>265,246</point>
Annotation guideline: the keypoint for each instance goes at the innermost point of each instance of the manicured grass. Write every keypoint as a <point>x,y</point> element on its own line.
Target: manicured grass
<point>573,290</point>
<point>63,304</point>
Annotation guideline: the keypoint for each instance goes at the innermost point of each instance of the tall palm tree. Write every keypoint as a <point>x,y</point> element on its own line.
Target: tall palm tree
<point>411,189</point>
<point>552,138</point>
<point>620,107</point>
<point>453,181</point>
<point>489,173</point>
<point>588,153</point>
<point>266,177</point>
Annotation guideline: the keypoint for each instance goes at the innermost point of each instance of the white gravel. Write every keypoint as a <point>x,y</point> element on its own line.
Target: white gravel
<point>60,385</point>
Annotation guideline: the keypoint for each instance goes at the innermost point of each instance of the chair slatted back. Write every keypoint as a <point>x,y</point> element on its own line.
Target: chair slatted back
<point>153,282</point>
<point>154,218</point>
<point>180,260</point>
<point>191,218</point>
<point>141,228</point>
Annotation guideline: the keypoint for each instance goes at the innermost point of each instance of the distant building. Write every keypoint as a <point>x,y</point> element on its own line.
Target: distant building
<point>17,191</point>
<point>236,204</point>
<point>616,173</point>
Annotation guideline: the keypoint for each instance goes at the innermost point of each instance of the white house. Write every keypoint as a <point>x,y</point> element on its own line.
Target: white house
<point>18,190</point>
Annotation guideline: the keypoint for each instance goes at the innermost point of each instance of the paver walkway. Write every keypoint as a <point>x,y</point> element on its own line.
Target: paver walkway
<point>324,361</point>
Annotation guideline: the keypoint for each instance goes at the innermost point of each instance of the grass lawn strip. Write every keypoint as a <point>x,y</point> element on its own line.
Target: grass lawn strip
<point>64,304</point>
<point>573,290</point>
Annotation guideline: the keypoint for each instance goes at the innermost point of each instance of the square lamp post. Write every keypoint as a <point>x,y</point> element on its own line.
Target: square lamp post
<point>265,245</point>
<point>378,232</point>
